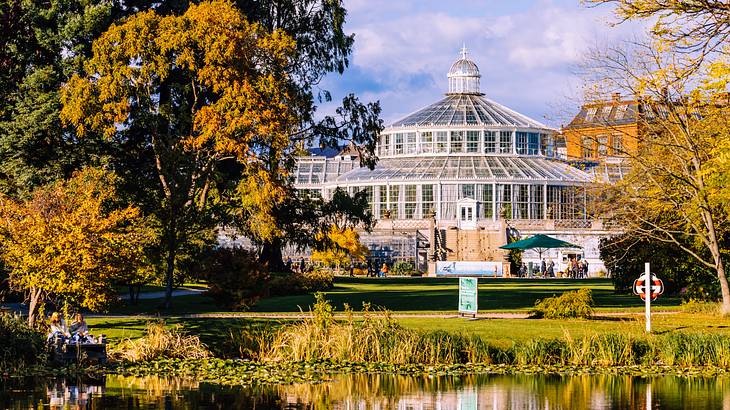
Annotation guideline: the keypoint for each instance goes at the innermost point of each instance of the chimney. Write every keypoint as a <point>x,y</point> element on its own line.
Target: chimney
<point>616,97</point>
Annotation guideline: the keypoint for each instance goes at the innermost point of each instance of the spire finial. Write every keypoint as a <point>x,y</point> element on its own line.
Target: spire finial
<point>464,52</point>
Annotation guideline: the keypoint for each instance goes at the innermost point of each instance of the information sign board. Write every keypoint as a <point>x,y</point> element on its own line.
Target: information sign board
<point>468,295</point>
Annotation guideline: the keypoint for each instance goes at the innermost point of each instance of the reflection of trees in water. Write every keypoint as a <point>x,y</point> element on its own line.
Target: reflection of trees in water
<point>379,391</point>
<point>509,392</point>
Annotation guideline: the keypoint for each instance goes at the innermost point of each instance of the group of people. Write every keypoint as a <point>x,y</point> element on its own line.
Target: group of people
<point>546,270</point>
<point>576,269</point>
<point>78,332</point>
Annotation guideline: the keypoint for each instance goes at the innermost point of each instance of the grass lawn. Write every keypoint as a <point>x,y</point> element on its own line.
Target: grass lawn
<point>421,295</point>
<point>502,332</point>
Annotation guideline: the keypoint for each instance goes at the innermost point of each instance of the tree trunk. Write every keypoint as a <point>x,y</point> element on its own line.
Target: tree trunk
<point>35,296</point>
<point>131,295</point>
<point>271,256</point>
<point>723,288</point>
<point>714,245</point>
<point>170,268</point>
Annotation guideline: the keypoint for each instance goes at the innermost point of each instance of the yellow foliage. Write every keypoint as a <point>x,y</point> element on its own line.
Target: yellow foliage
<point>241,91</point>
<point>66,241</point>
<point>345,248</point>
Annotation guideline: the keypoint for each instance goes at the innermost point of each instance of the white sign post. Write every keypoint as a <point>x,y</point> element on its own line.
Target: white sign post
<point>647,296</point>
<point>649,287</point>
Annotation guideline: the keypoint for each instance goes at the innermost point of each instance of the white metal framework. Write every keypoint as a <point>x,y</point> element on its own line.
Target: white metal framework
<point>463,154</point>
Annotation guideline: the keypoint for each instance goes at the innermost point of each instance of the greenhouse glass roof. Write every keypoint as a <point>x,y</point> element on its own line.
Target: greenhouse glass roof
<point>467,110</point>
<point>464,168</point>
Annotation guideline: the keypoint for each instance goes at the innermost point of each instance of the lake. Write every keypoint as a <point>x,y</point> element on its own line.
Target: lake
<point>361,391</point>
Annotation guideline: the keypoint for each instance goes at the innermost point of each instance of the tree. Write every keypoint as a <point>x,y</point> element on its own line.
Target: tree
<point>204,88</point>
<point>72,240</point>
<point>698,27</point>
<point>344,248</point>
<point>673,192</point>
<point>624,255</point>
<point>41,44</point>
<point>206,117</point>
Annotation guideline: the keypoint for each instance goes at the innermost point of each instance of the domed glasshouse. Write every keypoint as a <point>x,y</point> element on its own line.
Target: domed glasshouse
<point>455,177</point>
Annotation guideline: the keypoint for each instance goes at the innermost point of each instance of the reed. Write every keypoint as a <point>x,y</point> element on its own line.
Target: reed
<point>378,338</point>
<point>161,342</point>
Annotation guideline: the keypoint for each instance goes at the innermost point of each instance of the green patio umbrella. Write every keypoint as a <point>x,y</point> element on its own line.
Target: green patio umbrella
<point>540,243</point>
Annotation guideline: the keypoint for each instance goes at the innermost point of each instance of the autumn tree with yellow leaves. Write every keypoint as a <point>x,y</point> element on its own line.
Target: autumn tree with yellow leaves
<point>203,88</point>
<point>344,248</point>
<point>677,191</point>
<point>70,241</point>
<point>216,103</point>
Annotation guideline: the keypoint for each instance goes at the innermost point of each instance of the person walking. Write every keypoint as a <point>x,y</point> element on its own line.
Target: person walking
<point>543,268</point>
<point>551,269</point>
<point>384,270</point>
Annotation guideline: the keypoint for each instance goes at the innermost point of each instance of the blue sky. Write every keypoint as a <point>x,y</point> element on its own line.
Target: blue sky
<point>527,52</point>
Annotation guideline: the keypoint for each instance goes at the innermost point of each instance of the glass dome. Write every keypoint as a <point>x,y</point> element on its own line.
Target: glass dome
<point>464,76</point>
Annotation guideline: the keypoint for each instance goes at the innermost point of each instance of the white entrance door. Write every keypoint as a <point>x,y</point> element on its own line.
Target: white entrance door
<point>467,209</point>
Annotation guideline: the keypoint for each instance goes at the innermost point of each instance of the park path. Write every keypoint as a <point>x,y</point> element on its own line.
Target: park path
<point>23,308</point>
<point>161,294</point>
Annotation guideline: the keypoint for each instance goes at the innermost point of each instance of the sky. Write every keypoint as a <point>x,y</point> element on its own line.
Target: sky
<point>528,52</point>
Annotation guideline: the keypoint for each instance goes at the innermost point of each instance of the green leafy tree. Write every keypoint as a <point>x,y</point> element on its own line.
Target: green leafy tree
<point>41,45</point>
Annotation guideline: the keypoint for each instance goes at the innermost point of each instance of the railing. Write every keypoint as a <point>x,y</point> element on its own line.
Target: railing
<point>574,223</point>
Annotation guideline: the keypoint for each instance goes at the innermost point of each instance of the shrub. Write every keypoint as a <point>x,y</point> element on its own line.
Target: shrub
<point>573,304</point>
<point>402,268</point>
<point>699,306</point>
<point>236,279</point>
<point>317,280</point>
<point>160,342</point>
<point>20,345</point>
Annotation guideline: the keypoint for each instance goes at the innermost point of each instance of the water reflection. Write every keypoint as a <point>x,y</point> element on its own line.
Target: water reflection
<point>374,392</point>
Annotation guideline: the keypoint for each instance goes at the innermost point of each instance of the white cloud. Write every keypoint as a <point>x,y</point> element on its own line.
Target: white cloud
<point>525,57</point>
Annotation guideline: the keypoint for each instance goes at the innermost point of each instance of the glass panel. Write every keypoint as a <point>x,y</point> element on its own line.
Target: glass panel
<point>411,143</point>
<point>490,142</point>
<point>448,201</point>
<point>317,169</point>
<point>533,147</point>
<point>426,142</point>
<point>393,196</point>
<point>410,201</point>
<point>457,141</point>
<point>504,201</point>
<point>505,142</point>
<point>467,191</point>
<point>487,201</point>
<point>521,142</point>
<point>472,141</point>
<point>385,144</point>
<point>383,200</point>
<point>536,202</point>
<point>303,173</point>
<point>521,201</point>
<point>427,200</point>
<point>442,140</point>
<point>548,145</point>
<point>398,143</point>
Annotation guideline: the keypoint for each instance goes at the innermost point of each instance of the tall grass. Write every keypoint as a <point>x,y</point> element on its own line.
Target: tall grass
<point>375,338</point>
<point>161,342</point>
<point>378,338</point>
